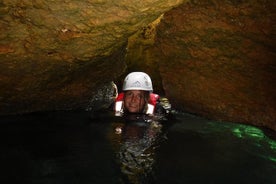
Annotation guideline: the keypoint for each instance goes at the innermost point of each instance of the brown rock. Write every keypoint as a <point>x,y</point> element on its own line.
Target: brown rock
<point>217,59</point>
<point>57,54</point>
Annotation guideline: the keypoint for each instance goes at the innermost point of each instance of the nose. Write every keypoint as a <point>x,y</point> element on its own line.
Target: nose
<point>133,99</point>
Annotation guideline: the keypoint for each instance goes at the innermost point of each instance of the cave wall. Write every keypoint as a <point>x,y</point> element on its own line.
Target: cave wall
<point>55,55</point>
<point>216,58</point>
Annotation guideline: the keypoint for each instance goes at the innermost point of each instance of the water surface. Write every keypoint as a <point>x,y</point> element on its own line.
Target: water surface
<point>72,147</point>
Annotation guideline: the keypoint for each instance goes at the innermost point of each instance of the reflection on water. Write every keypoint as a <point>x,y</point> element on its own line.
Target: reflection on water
<point>72,147</point>
<point>135,146</point>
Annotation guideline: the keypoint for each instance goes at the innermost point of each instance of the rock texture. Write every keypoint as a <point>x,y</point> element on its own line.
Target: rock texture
<point>56,54</point>
<point>214,58</point>
<point>217,58</point>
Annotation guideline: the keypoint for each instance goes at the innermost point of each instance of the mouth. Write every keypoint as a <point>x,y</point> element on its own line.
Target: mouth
<point>133,108</point>
<point>133,105</point>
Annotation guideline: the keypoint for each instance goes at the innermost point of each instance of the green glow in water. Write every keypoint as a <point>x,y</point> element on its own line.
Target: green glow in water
<point>249,132</point>
<point>272,159</point>
<point>264,146</point>
<point>237,132</point>
<point>272,144</point>
<point>243,131</point>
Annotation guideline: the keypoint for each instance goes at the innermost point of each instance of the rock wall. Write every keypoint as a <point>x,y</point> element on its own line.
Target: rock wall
<point>217,58</point>
<point>214,58</point>
<point>57,54</point>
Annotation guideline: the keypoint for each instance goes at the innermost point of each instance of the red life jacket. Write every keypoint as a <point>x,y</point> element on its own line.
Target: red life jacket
<point>118,107</point>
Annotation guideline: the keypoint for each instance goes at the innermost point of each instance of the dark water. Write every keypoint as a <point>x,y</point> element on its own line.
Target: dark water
<point>73,148</point>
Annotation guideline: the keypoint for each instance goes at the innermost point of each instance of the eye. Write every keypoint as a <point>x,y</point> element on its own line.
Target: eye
<point>139,96</point>
<point>128,93</point>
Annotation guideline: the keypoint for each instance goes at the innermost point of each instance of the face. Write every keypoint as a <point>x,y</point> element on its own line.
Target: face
<point>134,101</point>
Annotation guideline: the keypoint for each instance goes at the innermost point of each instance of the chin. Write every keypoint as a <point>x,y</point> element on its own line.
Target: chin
<point>134,111</point>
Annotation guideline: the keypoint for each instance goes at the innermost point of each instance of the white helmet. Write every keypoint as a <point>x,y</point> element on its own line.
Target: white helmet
<point>137,81</point>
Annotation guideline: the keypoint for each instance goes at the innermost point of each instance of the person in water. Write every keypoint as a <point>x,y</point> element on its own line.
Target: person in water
<point>141,132</point>
<point>138,96</point>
